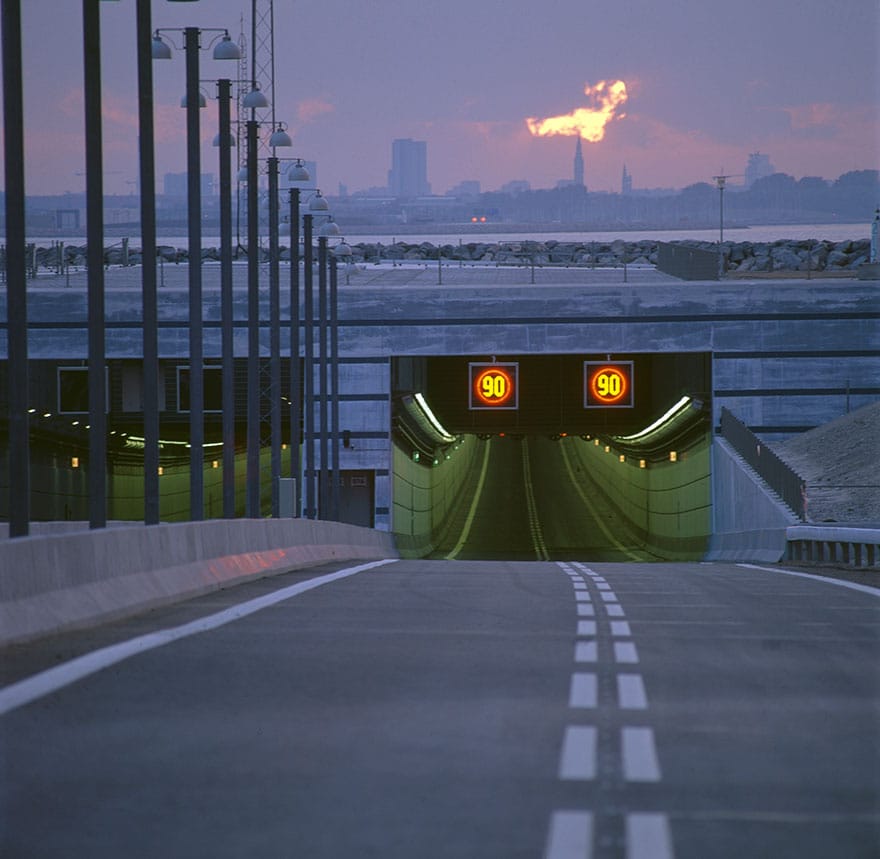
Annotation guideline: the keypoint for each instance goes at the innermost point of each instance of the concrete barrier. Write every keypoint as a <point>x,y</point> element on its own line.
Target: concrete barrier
<point>749,519</point>
<point>70,580</point>
<point>822,544</point>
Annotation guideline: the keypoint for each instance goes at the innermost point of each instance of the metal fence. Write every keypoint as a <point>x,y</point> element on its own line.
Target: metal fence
<point>781,478</point>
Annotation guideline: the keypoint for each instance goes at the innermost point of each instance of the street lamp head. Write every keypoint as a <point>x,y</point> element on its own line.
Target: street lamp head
<point>342,249</point>
<point>298,172</point>
<point>331,228</point>
<point>226,49</point>
<point>280,138</point>
<point>229,136</point>
<point>202,100</point>
<point>318,203</point>
<point>161,49</point>
<point>243,174</point>
<point>255,99</point>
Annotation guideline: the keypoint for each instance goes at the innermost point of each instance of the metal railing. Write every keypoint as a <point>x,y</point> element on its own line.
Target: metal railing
<point>781,478</point>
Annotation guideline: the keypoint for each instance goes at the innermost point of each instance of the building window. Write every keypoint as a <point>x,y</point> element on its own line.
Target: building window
<point>73,390</point>
<point>212,381</point>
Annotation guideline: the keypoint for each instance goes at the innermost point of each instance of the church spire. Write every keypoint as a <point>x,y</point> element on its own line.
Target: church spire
<point>578,163</point>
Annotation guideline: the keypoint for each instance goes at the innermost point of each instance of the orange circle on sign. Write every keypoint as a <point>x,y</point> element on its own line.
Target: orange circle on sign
<point>494,386</point>
<point>609,385</point>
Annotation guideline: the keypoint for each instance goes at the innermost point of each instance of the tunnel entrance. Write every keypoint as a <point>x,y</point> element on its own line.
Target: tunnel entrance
<point>553,479</point>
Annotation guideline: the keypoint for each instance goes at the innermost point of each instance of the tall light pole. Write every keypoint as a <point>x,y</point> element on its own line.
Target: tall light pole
<point>227,360</point>
<point>16,283</point>
<point>279,138</point>
<point>149,298</point>
<point>224,49</point>
<point>309,371</point>
<point>295,375</point>
<point>720,182</point>
<point>253,510</point>
<point>97,472</point>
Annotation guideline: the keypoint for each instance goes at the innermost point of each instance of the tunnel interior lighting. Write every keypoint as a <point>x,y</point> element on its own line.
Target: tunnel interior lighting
<point>679,408</point>
<point>432,419</point>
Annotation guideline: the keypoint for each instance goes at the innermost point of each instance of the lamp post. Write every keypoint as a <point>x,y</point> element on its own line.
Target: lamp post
<point>720,182</point>
<point>149,298</point>
<point>279,138</point>
<point>227,360</point>
<point>16,283</point>
<point>97,472</point>
<point>224,49</point>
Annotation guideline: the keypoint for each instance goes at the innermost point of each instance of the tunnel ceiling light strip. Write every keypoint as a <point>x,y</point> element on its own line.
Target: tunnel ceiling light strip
<point>426,410</point>
<point>673,412</point>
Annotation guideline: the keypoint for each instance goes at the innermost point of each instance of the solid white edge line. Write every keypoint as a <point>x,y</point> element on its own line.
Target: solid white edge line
<point>469,521</point>
<point>570,835</point>
<point>648,837</point>
<point>46,682</point>
<point>855,586</point>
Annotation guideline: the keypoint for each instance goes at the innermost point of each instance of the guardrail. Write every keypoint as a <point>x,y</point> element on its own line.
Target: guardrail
<point>781,478</point>
<point>815,544</point>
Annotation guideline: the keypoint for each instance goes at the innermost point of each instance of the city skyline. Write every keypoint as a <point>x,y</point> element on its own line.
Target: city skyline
<point>775,83</point>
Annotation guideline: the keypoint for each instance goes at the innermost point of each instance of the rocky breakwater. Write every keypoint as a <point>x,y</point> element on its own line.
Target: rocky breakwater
<point>740,257</point>
<point>791,255</point>
<point>786,255</point>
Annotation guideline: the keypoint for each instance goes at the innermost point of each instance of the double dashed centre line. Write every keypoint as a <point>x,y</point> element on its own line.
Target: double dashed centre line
<point>603,646</point>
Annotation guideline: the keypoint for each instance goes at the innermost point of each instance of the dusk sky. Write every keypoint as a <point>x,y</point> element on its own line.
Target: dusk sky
<point>706,83</point>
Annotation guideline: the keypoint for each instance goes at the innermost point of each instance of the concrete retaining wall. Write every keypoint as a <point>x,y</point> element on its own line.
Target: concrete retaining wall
<point>54,583</point>
<point>749,519</point>
<point>666,506</point>
<point>426,498</point>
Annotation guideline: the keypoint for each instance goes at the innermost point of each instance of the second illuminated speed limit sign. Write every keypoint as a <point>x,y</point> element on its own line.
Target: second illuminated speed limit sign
<point>608,384</point>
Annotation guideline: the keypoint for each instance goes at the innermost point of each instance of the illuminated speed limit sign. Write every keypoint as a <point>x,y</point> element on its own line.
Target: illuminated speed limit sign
<point>608,384</point>
<point>493,386</point>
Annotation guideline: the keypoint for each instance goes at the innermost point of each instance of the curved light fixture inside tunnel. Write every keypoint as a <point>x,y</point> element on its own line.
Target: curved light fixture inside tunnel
<point>432,419</point>
<point>679,408</point>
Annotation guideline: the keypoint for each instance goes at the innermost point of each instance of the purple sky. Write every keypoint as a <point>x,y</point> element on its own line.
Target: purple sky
<point>708,83</point>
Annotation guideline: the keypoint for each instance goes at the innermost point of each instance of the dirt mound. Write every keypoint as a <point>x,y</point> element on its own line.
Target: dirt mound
<point>840,462</point>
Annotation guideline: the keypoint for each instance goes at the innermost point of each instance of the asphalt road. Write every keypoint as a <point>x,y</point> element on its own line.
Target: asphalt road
<point>458,709</point>
<point>533,503</point>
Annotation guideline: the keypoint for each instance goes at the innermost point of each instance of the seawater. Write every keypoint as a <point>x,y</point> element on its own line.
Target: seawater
<point>763,233</point>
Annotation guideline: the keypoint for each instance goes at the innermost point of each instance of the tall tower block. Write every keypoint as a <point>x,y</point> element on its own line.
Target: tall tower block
<point>578,163</point>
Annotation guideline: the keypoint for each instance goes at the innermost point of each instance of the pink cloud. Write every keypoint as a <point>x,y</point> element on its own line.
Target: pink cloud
<point>310,109</point>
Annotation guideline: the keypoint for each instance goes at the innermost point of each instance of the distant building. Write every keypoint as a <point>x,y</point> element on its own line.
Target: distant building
<point>175,184</point>
<point>467,188</point>
<point>516,186</point>
<point>578,163</point>
<point>626,182</point>
<point>758,167</point>
<point>408,176</point>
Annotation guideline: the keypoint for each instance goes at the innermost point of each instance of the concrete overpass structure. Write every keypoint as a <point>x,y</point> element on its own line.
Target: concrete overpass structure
<point>781,355</point>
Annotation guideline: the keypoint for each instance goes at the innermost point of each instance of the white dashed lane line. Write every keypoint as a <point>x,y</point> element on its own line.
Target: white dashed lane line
<point>572,832</point>
<point>571,836</point>
<point>578,759</point>
<point>631,692</point>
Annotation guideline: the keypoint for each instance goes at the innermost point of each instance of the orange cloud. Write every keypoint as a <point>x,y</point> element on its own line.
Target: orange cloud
<point>588,122</point>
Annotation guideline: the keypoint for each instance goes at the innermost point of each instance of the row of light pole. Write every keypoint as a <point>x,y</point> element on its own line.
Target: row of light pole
<point>150,45</point>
